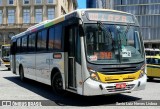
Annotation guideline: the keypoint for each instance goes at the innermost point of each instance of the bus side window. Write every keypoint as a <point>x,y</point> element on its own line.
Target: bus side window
<point>31,43</point>
<point>158,61</point>
<point>51,38</point>
<point>57,44</point>
<point>41,40</point>
<point>148,60</point>
<point>24,44</point>
<point>153,61</point>
<point>18,45</point>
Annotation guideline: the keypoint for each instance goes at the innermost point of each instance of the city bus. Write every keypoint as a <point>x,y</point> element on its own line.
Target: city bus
<point>153,67</point>
<point>88,52</point>
<point>5,56</point>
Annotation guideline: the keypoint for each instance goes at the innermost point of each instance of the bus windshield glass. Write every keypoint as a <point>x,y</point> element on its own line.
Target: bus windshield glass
<point>113,44</point>
<point>5,52</point>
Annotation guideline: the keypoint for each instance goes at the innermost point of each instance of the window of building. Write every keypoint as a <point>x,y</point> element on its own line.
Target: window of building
<point>38,17</point>
<point>26,15</point>
<point>11,16</point>
<point>1,17</point>
<point>50,13</point>
<point>0,2</point>
<point>10,2</point>
<point>50,1</point>
<point>38,1</point>
<point>26,1</point>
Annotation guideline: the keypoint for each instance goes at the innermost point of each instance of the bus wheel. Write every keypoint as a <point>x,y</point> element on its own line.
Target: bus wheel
<point>57,84</point>
<point>21,73</point>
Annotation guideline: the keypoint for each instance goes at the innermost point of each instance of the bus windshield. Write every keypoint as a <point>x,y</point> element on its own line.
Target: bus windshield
<point>5,52</point>
<point>113,44</point>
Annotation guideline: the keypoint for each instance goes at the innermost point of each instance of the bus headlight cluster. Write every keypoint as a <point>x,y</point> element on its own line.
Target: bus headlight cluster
<point>143,70</point>
<point>93,74</point>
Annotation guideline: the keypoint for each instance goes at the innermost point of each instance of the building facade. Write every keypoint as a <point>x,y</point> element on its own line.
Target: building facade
<point>106,4</point>
<point>18,15</point>
<point>148,15</point>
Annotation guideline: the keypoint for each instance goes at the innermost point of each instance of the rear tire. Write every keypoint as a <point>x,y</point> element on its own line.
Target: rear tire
<point>21,74</point>
<point>57,84</point>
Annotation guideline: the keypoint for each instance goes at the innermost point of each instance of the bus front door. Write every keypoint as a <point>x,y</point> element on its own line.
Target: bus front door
<point>71,34</point>
<point>13,59</point>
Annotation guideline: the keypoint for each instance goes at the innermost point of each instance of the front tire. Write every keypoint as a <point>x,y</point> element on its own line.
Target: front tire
<point>57,84</point>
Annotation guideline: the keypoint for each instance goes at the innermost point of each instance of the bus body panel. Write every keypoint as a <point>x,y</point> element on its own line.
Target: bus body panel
<point>43,72</point>
<point>153,66</point>
<point>79,80</point>
<point>92,87</point>
<point>153,70</point>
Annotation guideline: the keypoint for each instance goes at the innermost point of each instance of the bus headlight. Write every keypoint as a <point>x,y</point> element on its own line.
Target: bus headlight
<point>143,70</point>
<point>93,74</point>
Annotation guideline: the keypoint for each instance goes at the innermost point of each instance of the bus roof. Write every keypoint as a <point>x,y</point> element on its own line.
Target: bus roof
<point>151,49</point>
<point>49,23</point>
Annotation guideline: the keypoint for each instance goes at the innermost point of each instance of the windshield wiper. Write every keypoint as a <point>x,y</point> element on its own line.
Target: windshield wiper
<point>101,25</point>
<point>128,27</point>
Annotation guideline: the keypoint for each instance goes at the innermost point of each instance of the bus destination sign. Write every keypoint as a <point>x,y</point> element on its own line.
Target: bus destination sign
<point>110,17</point>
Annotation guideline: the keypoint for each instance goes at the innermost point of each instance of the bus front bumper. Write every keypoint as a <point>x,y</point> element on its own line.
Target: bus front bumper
<point>92,87</point>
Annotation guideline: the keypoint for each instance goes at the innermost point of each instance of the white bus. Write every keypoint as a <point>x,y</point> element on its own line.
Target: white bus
<point>88,52</point>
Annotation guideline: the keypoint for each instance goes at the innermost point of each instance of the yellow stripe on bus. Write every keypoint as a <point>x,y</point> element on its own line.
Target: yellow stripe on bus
<point>118,77</point>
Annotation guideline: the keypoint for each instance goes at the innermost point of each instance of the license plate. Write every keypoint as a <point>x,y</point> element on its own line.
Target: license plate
<point>121,86</point>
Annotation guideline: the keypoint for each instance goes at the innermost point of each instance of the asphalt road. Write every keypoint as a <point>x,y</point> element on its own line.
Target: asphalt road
<point>11,88</point>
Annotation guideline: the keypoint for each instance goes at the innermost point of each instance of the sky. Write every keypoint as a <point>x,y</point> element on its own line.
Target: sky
<point>81,4</point>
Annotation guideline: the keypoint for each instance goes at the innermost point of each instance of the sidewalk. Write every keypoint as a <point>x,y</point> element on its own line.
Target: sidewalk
<point>3,68</point>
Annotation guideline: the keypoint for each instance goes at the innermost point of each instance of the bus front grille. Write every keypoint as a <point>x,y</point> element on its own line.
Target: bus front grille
<point>114,89</point>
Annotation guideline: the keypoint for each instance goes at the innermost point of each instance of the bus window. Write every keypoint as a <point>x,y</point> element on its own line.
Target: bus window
<point>41,40</point>
<point>57,37</point>
<point>156,61</point>
<point>148,60</point>
<point>18,45</point>
<point>31,43</point>
<point>51,38</point>
<point>24,44</point>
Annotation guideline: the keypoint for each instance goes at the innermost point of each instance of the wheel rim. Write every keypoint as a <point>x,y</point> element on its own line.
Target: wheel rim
<point>58,85</point>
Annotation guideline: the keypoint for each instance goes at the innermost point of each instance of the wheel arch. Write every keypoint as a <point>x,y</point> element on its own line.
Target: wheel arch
<point>53,72</point>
